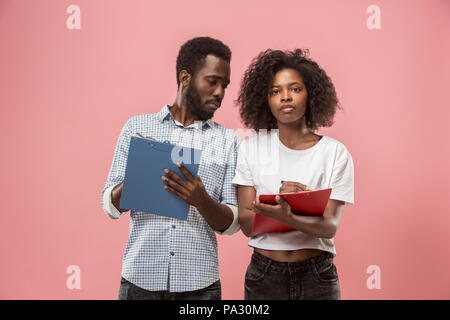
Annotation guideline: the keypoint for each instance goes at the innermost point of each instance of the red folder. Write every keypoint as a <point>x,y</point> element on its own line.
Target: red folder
<point>311,203</point>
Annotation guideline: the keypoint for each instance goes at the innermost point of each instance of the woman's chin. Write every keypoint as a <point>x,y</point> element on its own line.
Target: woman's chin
<point>286,120</point>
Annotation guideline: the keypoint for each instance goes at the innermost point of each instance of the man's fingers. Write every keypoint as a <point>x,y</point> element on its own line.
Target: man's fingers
<point>185,172</point>
<point>173,184</point>
<point>175,177</point>
<point>200,182</point>
<point>175,192</point>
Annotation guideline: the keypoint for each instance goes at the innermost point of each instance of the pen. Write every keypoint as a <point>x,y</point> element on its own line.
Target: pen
<point>149,138</point>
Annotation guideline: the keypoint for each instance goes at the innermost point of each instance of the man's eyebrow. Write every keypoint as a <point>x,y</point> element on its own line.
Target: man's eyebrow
<point>218,77</point>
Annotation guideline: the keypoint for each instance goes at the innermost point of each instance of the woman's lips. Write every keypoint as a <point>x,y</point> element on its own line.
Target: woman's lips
<point>287,108</point>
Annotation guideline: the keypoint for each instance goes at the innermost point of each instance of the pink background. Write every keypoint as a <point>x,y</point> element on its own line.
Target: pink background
<point>65,95</point>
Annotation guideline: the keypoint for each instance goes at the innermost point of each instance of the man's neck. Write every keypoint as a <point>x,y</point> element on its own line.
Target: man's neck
<point>183,115</point>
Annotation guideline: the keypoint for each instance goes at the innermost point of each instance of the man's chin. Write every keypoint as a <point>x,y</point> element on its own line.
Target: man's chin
<point>205,114</point>
<point>206,117</point>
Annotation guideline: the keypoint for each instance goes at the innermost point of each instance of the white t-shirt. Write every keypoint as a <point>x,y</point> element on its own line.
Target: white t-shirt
<point>263,161</point>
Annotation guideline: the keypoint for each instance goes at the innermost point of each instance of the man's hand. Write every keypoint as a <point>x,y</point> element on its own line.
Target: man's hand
<point>280,211</point>
<point>116,194</point>
<point>191,191</point>
<point>290,186</point>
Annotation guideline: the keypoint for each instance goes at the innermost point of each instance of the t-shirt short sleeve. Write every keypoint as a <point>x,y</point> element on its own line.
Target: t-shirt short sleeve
<point>243,174</point>
<point>342,179</point>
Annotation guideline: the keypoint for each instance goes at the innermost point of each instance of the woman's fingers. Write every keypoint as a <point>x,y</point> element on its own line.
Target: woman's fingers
<point>292,186</point>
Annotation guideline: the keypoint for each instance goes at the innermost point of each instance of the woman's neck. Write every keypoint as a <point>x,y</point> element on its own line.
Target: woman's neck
<point>296,135</point>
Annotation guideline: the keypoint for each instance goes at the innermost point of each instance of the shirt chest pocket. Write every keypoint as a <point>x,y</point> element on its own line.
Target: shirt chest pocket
<point>213,176</point>
<point>267,183</point>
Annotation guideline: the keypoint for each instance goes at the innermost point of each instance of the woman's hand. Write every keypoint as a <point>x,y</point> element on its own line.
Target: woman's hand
<point>290,186</point>
<point>280,211</point>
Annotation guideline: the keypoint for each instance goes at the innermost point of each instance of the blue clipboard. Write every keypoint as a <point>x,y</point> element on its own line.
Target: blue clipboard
<point>143,189</point>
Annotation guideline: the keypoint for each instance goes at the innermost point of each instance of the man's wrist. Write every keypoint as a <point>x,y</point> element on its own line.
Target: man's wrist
<point>206,205</point>
<point>116,194</point>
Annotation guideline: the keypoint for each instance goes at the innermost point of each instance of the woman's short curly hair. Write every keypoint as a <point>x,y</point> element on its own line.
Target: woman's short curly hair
<point>253,98</point>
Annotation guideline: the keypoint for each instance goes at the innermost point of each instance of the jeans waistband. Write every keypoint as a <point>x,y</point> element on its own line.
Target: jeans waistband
<point>318,261</point>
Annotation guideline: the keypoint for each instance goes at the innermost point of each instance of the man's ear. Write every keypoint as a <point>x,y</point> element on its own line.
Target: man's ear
<point>185,78</point>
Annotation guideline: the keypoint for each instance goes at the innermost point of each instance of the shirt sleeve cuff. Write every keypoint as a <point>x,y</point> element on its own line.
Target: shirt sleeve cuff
<point>108,207</point>
<point>234,226</point>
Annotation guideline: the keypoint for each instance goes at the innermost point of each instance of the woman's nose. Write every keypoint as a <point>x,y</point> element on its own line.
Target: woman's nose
<point>285,96</point>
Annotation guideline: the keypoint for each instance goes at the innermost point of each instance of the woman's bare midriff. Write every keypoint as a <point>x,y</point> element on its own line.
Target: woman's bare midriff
<point>291,255</point>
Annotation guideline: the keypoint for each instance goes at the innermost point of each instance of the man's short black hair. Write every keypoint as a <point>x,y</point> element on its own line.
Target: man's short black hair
<point>193,53</point>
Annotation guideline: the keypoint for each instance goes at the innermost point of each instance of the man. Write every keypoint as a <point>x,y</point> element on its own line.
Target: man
<point>166,258</point>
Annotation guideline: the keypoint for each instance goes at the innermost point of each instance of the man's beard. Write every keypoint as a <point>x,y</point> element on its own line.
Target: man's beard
<point>195,105</point>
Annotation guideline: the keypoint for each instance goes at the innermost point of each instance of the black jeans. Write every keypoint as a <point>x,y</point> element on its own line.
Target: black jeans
<point>129,291</point>
<point>311,279</point>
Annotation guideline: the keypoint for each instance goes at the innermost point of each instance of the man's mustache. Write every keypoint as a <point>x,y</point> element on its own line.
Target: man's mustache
<point>217,102</point>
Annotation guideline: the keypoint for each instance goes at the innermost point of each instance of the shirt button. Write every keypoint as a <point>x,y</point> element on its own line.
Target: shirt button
<point>172,253</point>
<point>173,226</point>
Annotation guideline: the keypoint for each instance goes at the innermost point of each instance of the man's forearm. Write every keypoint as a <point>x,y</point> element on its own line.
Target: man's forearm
<point>218,216</point>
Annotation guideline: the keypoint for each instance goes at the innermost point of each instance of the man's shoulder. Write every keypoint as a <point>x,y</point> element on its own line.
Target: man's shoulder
<point>141,119</point>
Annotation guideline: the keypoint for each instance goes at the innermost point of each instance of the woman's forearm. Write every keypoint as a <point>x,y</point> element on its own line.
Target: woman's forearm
<point>319,227</point>
<point>246,218</point>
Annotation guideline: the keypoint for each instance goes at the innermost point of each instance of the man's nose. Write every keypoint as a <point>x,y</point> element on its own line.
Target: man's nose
<point>219,92</point>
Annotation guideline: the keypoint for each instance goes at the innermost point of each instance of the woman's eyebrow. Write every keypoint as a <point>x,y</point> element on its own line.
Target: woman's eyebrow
<point>290,84</point>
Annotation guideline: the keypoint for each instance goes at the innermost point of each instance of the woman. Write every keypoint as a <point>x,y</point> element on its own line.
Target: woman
<point>286,97</point>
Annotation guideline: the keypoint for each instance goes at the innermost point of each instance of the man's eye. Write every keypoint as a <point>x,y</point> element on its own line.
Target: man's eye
<point>212,82</point>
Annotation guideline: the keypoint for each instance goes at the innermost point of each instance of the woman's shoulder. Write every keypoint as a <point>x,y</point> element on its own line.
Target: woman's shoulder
<point>336,146</point>
<point>255,144</point>
<point>256,138</point>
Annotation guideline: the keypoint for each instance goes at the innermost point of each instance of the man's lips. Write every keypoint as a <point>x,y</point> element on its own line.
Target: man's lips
<point>214,105</point>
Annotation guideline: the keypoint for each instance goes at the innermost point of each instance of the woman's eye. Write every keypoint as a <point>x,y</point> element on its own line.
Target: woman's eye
<point>274,92</point>
<point>295,89</point>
